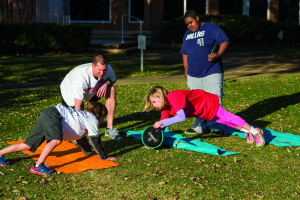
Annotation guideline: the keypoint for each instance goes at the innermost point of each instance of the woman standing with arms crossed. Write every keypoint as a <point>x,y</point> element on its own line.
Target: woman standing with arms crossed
<point>203,70</point>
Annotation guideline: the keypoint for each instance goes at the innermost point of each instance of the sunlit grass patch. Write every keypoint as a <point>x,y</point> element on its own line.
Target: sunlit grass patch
<point>54,67</point>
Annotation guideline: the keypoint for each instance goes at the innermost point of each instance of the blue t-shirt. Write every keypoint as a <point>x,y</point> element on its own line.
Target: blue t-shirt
<point>197,45</point>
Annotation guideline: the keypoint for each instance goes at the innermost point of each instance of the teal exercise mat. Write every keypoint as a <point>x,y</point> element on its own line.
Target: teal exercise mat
<point>271,137</point>
<point>172,139</point>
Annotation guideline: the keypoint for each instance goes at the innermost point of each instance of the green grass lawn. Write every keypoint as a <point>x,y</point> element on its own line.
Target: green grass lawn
<point>165,173</point>
<point>43,68</point>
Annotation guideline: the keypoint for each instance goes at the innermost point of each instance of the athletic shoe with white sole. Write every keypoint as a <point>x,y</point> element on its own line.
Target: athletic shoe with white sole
<point>113,133</point>
<point>250,138</point>
<point>197,128</point>
<point>4,162</point>
<point>259,138</point>
<point>41,169</point>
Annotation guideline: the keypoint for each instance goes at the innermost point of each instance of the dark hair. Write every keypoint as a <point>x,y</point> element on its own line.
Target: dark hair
<point>97,108</point>
<point>102,59</point>
<point>191,13</point>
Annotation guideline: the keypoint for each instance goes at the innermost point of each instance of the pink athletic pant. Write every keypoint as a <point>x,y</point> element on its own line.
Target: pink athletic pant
<point>228,119</point>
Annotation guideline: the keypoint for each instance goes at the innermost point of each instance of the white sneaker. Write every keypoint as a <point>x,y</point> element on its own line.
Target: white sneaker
<point>113,133</point>
<point>197,128</point>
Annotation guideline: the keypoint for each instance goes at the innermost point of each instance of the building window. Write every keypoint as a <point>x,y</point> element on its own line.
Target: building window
<point>175,8</point>
<point>198,5</point>
<point>136,10</point>
<point>172,9</point>
<point>90,10</point>
<point>234,7</point>
<point>289,10</point>
<point>49,11</point>
<point>259,8</point>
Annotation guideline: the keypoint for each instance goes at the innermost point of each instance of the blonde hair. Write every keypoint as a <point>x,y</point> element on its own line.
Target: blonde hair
<point>102,59</point>
<point>97,108</point>
<point>156,92</point>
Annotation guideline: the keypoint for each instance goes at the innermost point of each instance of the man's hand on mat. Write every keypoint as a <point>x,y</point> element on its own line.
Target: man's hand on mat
<point>111,158</point>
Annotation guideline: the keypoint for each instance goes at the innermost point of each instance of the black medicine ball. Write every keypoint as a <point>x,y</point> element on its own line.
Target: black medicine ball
<point>152,137</point>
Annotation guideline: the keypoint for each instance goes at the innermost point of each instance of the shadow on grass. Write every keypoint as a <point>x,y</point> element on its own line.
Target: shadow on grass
<point>138,120</point>
<point>266,107</point>
<point>26,97</point>
<point>134,121</point>
<point>19,159</point>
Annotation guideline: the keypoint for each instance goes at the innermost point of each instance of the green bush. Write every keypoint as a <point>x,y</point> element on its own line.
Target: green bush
<point>44,37</point>
<point>240,29</point>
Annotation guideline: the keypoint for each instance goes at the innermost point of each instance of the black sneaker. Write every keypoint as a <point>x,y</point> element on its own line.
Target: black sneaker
<point>216,132</point>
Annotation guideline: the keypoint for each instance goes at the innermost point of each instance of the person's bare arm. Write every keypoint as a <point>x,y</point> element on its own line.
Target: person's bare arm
<point>79,105</point>
<point>103,89</point>
<point>222,49</point>
<point>185,64</point>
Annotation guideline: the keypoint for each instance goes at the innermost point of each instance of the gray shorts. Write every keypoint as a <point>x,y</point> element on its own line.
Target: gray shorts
<point>47,127</point>
<point>212,83</point>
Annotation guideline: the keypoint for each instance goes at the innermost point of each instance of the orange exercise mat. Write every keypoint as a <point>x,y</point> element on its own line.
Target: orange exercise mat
<point>68,158</point>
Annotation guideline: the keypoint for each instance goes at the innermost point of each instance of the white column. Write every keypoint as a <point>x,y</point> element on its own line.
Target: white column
<point>246,7</point>
<point>268,10</point>
<point>184,6</point>
<point>37,10</point>
<point>207,7</point>
<point>49,11</point>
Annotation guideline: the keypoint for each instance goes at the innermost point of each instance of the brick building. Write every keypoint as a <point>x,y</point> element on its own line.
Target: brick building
<point>132,16</point>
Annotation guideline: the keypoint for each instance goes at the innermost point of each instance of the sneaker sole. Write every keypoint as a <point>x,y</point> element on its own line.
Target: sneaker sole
<point>4,165</point>
<point>205,131</point>
<point>113,138</point>
<point>215,134</point>
<point>251,141</point>
<point>38,173</point>
<point>190,133</point>
<point>35,172</point>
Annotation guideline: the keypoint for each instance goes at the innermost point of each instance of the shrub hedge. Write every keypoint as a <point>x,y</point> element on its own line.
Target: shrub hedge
<point>240,29</point>
<point>44,37</point>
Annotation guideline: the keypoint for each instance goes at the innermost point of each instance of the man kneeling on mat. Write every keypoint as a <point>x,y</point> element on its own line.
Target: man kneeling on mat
<point>57,123</point>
